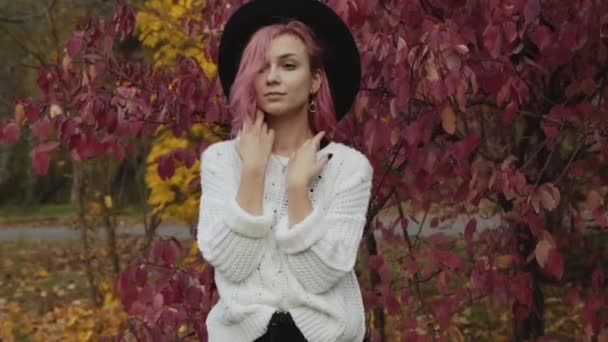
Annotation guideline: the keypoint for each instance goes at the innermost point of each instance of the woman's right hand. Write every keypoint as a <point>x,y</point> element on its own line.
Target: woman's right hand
<point>254,143</point>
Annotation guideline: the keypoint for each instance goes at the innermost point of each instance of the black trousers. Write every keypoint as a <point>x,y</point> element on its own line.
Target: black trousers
<point>282,328</point>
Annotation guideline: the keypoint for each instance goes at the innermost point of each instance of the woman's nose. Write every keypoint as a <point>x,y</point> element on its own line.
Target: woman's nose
<point>272,76</point>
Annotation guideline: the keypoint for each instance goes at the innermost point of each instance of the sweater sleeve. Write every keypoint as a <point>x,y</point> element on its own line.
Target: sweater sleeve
<point>229,238</point>
<point>323,247</point>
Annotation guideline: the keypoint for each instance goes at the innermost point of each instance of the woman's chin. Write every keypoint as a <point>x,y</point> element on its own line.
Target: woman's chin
<point>274,110</point>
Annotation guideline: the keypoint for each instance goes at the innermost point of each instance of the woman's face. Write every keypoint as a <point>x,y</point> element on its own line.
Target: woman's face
<point>285,82</point>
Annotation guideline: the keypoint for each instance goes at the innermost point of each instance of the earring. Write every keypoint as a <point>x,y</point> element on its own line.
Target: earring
<point>312,107</point>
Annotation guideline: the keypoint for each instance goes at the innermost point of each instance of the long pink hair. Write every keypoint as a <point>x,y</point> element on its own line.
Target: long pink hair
<point>242,94</point>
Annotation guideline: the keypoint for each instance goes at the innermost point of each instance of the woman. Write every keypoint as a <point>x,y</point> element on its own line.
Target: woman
<point>279,221</point>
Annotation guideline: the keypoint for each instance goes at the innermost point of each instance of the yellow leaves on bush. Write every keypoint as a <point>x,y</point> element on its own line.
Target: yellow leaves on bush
<point>174,197</point>
<point>160,26</point>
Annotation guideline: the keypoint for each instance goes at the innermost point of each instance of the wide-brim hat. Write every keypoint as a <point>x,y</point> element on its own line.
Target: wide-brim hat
<point>341,60</point>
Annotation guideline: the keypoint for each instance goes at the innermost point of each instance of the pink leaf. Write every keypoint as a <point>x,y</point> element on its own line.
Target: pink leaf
<point>41,157</point>
<point>41,161</point>
<point>11,133</point>
<point>75,43</point>
<point>543,247</point>
<point>392,305</point>
<point>542,37</point>
<point>448,259</point>
<point>41,129</point>
<point>166,167</point>
<point>601,218</point>
<point>492,40</point>
<point>531,10</point>
<point>555,264</point>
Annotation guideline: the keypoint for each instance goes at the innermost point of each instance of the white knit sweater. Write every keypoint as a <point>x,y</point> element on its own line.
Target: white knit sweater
<point>262,266</point>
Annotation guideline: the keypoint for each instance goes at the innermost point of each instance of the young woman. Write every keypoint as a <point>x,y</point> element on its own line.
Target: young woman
<point>280,219</point>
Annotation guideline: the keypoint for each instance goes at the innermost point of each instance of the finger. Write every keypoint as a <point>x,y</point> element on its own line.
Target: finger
<point>317,138</point>
<point>321,162</point>
<point>259,119</point>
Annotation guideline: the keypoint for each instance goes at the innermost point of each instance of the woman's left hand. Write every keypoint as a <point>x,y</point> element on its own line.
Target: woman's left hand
<point>303,164</point>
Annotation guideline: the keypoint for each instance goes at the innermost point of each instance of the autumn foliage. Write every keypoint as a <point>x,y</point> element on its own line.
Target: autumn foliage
<point>482,108</point>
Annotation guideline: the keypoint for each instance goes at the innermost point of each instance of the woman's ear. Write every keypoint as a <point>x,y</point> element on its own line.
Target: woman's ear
<point>316,82</point>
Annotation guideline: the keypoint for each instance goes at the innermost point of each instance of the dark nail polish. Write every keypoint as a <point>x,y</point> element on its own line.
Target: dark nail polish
<point>330,155</point>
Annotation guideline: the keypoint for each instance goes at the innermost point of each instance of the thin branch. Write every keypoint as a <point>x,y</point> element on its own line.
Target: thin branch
<point>17,41</point>
<point>49,15</point>
<point>12,20</point>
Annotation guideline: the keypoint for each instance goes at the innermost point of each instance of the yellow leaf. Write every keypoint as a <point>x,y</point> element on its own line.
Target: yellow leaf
<point>448,119</point>
<point>55,110</point>
<point>19,113</point>
<point>107,200</point>
<point>503,261</point>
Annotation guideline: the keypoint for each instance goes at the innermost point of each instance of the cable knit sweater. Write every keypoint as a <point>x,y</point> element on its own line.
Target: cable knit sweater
<point>262,266</point>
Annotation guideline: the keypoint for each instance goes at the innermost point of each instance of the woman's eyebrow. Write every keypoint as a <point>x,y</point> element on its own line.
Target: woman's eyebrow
<point>285,55</point>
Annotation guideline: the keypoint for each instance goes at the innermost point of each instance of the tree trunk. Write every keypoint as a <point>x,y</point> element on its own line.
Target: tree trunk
<point>532,326</point>
<point>372,249</point>
<point>85,240</point>
<point>76,174</point>
<point>30,179</point>
<point>110,227</point>
<point>5,153</point>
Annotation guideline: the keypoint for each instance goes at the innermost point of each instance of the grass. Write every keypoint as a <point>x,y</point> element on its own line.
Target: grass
<point>49,214</point>
<point>15,215</point>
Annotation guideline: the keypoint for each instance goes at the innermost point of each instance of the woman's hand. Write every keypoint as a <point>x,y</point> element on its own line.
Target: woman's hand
<point>304,164</point>
<point>254,142</point>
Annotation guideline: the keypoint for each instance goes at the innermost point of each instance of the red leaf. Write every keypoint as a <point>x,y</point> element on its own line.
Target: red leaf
<point>141,275</point>
<point>470,229</point>
<point>41,129</point>
<point>510,30</point>
<point>119,152</point>
<point>186,156</point>
<point>41,157</point>
<point>492,40</point>
<point>11,133</point>
<point>392,305</point>
<point>541,252</point>
<point>532,10</point>
<point>166,168</point>
<point>555,264</point>
<point>448,259</point>
<point>75,43</point>
<point>600,218</point>
<point>542,37</point>
<point>509,113</point>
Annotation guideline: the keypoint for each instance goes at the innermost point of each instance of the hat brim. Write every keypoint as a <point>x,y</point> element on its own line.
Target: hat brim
<point>341,56</point>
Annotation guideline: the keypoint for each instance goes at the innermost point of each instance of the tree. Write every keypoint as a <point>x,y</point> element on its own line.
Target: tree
<point>464,105</point>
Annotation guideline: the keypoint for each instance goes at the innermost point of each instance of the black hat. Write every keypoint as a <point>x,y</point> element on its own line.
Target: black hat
<point>341,56</point>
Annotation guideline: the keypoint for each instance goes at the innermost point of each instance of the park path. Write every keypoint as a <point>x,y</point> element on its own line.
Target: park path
<point>181,231</point>
<point>61,233</point>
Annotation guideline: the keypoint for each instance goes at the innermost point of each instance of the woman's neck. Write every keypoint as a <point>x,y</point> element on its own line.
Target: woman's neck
<point>290,132</point>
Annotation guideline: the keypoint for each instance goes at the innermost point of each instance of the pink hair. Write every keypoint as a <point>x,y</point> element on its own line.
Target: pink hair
<point>242,100</point>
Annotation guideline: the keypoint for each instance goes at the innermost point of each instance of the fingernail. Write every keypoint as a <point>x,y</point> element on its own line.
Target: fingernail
<point>330,155</point>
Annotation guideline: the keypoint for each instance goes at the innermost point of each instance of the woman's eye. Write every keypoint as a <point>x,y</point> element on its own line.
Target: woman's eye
<point>290,66</point>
